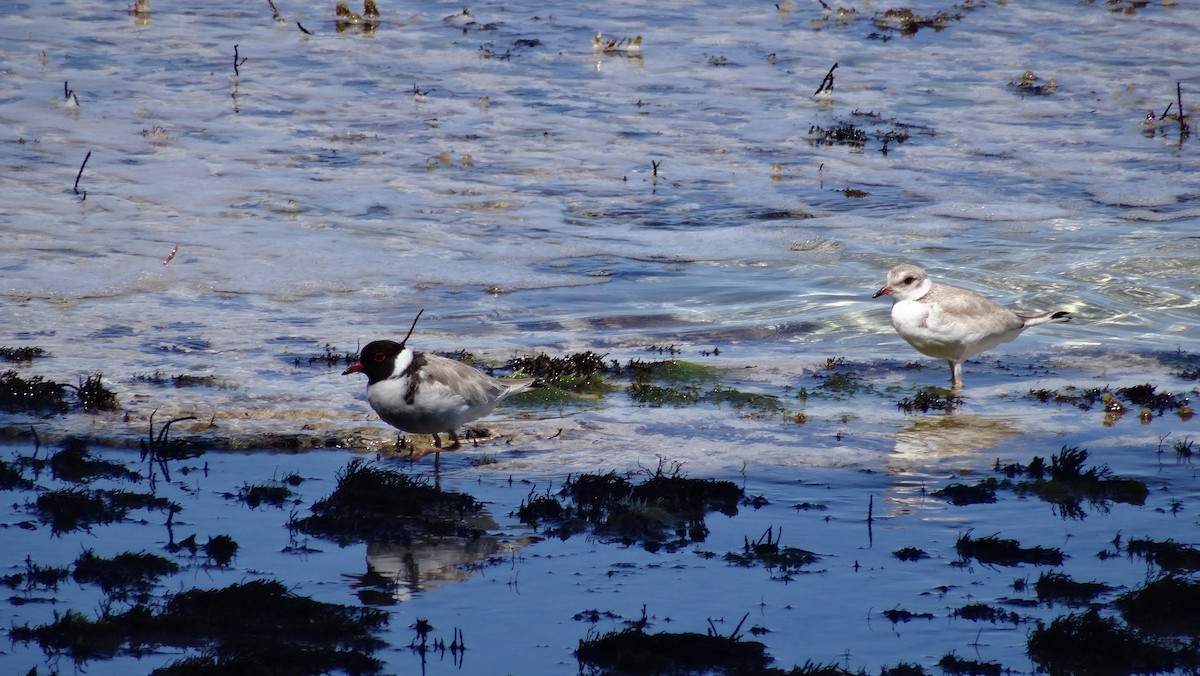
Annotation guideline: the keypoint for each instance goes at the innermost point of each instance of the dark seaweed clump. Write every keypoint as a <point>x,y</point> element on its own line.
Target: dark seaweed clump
<point>898,615</point>
<point>992,549</point>
<point>253,627</point>
<point>94,396</point>
<point>80,508</point>
<point>1087,643</point>
<point>953,664</point>
<point>648,512</point>
<point>983,492</point>
<point>45,397</point>
<point>1116,402</point>
<point>378,504</point>
<point>274,494</point>
<point>21,353</point>
<point>330,357</point>
<point>910,554</point>
<point>766,551</point>
<point>1166,606</point>
<point>1065,484</point>
<point>982,612</point>
<point>75,464</point>
<point>1169,555</point>
<point>125,573</point>
<point>34,395</point>
<point>1060,587</point>
<point>220,550</point>
<point>633,651</point>
<point>931,398</point>
<point>35,576</point>
<point>11,477</point>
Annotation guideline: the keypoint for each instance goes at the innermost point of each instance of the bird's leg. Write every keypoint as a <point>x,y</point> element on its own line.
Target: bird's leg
<point>419,453</point>
<point>955,375</point>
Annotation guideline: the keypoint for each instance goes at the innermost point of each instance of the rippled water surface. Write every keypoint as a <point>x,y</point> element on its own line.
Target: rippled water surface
<point>317,188</point>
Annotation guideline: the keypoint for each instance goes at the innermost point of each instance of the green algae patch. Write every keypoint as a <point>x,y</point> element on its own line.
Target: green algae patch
<point>679,383</point>
<point>253,627</point>
<point>373,503</point>
<point>671,382</point>
<point>577,372</point>
<point>670,371</point>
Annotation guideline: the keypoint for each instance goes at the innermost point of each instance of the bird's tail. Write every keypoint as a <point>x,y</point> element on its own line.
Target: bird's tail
<point>1059,317</point>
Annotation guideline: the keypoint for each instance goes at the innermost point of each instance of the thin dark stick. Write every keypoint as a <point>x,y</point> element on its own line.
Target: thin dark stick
<point>85,160</point>
<point>1179,105</point>
<point>828,79</point>
<point>303,29</point>
<point>237,63</point>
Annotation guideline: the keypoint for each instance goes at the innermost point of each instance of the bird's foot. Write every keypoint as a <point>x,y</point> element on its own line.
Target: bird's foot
<point>418,453</point>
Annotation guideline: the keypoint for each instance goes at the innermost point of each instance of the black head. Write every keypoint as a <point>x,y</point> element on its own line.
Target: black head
<point>378,358</point>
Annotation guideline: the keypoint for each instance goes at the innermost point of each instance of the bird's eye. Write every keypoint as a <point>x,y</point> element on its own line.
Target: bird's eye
<point>909,280</point>
<point>379,357</point>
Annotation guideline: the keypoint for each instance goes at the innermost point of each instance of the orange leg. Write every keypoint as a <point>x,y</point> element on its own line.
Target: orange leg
<point>419,453</point>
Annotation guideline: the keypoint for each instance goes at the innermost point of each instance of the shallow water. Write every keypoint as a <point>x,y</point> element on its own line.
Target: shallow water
<point>313,198</point>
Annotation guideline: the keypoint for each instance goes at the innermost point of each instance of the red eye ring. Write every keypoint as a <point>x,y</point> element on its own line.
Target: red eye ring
<point>379,357</point>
